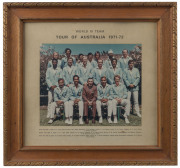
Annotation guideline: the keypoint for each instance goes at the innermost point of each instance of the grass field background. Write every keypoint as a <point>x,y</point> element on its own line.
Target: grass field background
<point>133,118</point>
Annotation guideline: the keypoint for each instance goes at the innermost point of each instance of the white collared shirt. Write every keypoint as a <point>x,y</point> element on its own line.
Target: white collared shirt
<point>125,59</point>
<point>84,68</point>
<point>69,69</point>
<point>100,70</point>
<point>61,89</point>
<point>114,70</point>
<point>130,71</point>
<point>118,85</point>
<point>104,89</point>
<point>76,88</point>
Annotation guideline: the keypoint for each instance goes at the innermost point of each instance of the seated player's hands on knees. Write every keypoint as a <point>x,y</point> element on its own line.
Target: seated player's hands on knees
<point>119,101</point>
<point>76,101</point>
<point>60,102</point>
<point>90,103</point>
<point>104,100</point>
<point>53,87</point>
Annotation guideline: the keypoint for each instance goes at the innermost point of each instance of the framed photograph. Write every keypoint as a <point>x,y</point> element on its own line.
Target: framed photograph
<point>90,84</point>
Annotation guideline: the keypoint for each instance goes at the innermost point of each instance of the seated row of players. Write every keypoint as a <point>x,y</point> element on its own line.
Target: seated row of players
<point>68,76</point>
<point>90,95</point>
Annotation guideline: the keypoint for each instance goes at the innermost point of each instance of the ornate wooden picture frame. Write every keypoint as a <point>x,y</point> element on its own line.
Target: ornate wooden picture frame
<point>16,14</point>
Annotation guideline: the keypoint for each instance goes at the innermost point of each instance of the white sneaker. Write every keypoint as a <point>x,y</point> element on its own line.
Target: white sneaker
<point>115,120</point>
<point>139,115</point>
<point>48,116</point>
<point>67,121</point>
<point>70,121</point>
<point>109,120</point>
<point>126,120</point>
<point>80,121</point>
<point>50,121</point>
<point>100,119</point>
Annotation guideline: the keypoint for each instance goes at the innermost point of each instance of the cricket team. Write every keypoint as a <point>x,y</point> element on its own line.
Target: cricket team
<point>91,84</point>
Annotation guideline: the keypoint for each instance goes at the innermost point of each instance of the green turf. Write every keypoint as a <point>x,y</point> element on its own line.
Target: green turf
<point>134,121</point>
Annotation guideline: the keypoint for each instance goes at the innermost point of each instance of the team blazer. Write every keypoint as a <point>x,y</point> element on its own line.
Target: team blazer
<point>119,91</point>
<point>83,76</point>
<point>68,77</point>
<point>111,75</point>
<point>133,78</point>
<point>97,76</point>
<point>51,65</point>
<point>61,95</point>
<point>79,64</point>
<point>107,63</point>
<point>106,94</point>
<point>93,63</point>
<point>122,64</point>
<point>76,93</point>
<point>64,62</point>
<point>52,76</point>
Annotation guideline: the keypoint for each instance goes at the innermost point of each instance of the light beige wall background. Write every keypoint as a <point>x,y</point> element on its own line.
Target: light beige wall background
<point>144,33</point>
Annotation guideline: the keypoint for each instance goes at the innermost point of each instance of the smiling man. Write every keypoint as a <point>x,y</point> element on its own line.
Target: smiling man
<point>123,61</point>
<point>104,98</point>
<point>55,56</point>
<point>99,72</point>
<point>61,97</point>
<point>89,96</point>
<point>64,61</point>
<point>132,79</point>
<point>114,70</point>
<point>69,71</point>
<point>84,71</point>
<point>52,75</point>
<point>76,99</point>
<point>119,95</point>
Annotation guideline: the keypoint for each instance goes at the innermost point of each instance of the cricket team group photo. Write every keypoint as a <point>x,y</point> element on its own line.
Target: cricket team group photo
<point>94,85</point>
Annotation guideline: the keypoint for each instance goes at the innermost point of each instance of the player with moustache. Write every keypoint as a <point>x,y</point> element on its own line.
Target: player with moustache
<point>52,75</point>
<point>104,98</point>
<point>61,97</point>
<point>114,70</point>
<point>64,61</point>
<point>89,96</point>
<point>76,99</point>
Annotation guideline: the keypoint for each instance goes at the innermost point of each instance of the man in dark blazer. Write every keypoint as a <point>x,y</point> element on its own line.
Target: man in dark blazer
<point>89,96</point>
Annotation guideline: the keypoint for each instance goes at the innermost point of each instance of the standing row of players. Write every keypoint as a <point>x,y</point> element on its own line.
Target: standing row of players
<point>87,71</point>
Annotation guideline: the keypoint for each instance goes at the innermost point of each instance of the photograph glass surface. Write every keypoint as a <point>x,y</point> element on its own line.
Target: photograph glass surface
<point>76,122</point>
<point>107,52</point>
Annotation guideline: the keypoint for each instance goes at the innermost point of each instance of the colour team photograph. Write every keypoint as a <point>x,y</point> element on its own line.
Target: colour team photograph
<point>90,85</point>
